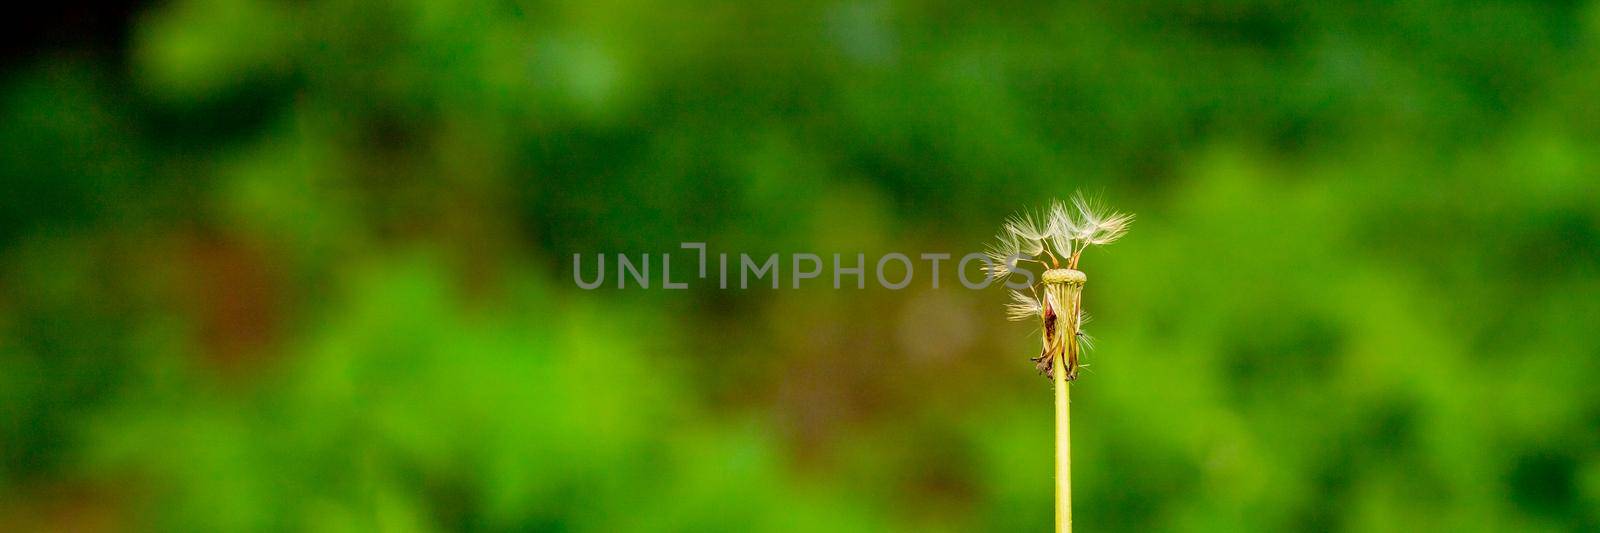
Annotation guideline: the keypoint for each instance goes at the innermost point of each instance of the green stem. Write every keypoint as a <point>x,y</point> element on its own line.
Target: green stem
<point>1063,451</point>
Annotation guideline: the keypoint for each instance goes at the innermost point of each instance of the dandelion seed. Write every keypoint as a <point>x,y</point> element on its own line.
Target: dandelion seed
<point>1030,235</point>
<point>1003,256</point>
<point>1023,307</point>
<point>1096,225</point>
<point>1063,230</point>
<point>1087,340</point>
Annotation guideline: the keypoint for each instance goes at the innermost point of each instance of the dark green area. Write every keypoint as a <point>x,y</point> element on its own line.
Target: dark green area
<point>308,266</point>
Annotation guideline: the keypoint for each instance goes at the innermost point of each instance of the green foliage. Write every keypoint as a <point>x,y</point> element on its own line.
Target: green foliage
<point>307,266</point>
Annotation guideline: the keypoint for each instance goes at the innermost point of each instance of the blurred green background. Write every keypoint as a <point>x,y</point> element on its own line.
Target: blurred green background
<point>270,265</point>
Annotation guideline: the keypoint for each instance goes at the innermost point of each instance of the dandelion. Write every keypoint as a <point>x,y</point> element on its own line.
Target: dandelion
<point>1063,232</point>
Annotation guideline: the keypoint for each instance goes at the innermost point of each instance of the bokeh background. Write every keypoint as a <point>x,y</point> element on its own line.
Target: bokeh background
<point>273,265</point>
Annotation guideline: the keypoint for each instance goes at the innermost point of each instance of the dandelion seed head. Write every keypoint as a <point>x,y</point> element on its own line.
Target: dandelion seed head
<point>1062,232</point>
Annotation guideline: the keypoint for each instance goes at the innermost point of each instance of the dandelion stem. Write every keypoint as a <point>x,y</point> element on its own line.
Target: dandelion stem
<point>1063,451</point>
